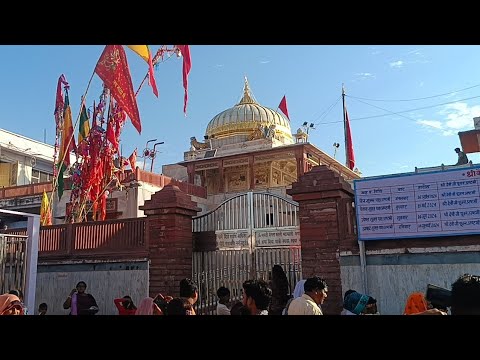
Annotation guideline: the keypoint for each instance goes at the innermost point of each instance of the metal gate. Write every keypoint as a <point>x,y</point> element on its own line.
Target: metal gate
<point>254,231</point>
<point>13,250</point>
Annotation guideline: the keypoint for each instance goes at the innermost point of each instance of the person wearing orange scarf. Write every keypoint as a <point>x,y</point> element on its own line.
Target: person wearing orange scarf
<point>10,305</point>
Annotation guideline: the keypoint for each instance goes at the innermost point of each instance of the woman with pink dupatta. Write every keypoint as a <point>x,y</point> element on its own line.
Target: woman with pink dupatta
<point>10,305</point>
<point>79,302</point>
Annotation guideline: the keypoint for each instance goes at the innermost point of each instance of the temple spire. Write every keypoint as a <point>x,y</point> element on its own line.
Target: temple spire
<point>247,95</point>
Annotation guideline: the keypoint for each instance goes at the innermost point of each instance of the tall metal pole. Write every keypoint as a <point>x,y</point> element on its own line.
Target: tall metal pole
<point>347,159</point>
<point>154,154</point>
<point>146,148</point>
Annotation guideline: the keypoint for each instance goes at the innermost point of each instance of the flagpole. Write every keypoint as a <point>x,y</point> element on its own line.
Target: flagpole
<point>347,159</point>
<point>55,179</point>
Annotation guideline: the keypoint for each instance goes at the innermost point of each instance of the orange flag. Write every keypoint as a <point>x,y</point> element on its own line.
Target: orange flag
<point>133,160</point>
<point>112,68</point>
<point>187,66</point>
<point>144,52</point>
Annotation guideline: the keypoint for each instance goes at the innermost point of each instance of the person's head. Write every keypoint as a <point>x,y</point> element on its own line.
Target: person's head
<point>42,309</point>
<point>127,303</point>
<point>256,295</point>
<point>348,292</point>
<point>416,303</point>
<point>18,293</point>
<point>356,303</point>
<point>457,150</point>
<point>188,289</point>
<point>316,288</point>
<point>179,306</point>
<point>466,295</point>
<point>10,305</point>
<point>223,294</point>
<point>81,287</point>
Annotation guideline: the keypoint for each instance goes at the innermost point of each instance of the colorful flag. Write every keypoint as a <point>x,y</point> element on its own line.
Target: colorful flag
<point>45,211</point>
<point>67,144</point>
<point>59,103</point>
<point>84,125</point>
<point>349,144</point>
<point>187,66</point>
<point>283,107</point>
<point>144,52</point>
<point>112,68</point>
<point>133,160</point>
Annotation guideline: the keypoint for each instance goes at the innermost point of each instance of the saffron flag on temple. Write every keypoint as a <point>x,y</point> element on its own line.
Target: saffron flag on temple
<point>283,107</point>
<point>112,68</point>
<point>187,66</point>
<point>45,211</point>
<point>144,52</point>
<point>349,144</point>
<point>133,160</point>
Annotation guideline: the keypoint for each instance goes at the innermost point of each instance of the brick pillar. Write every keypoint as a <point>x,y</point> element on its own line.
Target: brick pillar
<point>169,230</point>
<point>322,195</point>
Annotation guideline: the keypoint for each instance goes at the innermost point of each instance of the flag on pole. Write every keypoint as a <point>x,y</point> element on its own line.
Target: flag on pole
<point>84,125</point>
<point>112,68</point>
<point>144,52</point>
<point>187,66</point>
<point>45,211</point>
<point>349,144</point>
<point>133,160</point>
<point>59,102</point>
<point>67,144</point>
<point>283,107</point>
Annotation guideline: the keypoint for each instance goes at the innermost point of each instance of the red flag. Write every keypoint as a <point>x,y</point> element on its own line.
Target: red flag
<point>59,102</point>
<point>133,160</point>
<point>187,66</point>
<point>349,144</point>
<point>112,68</point>
<point>283,107</point>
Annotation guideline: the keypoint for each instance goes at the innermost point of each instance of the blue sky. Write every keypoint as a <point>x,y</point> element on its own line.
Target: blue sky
<point>311,77</point>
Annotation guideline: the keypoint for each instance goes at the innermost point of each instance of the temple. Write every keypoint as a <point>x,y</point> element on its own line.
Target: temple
<point>250,147</point>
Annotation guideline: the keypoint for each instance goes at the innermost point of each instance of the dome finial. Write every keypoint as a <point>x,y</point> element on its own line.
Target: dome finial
<point>247,96</point>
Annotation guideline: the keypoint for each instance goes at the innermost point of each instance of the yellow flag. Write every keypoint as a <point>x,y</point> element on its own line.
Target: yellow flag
<point>45,211</point>
<point>142,50</point>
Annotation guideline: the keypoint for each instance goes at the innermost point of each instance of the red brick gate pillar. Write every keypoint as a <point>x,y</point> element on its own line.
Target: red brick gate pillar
<point>323,195</point>
<point>169,232</point>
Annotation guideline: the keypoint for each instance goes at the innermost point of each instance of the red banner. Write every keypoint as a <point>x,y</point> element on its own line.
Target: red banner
<point>112,68</point>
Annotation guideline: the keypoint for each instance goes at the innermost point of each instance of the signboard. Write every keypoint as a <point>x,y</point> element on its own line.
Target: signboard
<point>276,238</point>
<point>232,239</point>
<point>441,203</point>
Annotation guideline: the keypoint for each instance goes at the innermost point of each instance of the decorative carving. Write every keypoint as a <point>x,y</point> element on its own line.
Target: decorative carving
<point>206,166</point>
<point>197,145</point>
<point>261,177</point>
<point>264,132</point>
<point>235,162</point>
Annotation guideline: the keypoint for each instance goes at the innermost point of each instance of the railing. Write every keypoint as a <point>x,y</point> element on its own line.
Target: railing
<point>12,262</point>
<point>113,238</point>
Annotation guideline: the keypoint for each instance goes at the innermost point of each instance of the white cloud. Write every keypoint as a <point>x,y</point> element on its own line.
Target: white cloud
<point>264,61</point>
<point>421,83</point>
<point>219,65</point>
<point>456,117</point>
<point>365,75</point>
<point>396,64</point>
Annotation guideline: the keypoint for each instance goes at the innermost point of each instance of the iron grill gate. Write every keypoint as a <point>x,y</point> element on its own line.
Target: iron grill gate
<point>13,249</point>
<point>250,214</point>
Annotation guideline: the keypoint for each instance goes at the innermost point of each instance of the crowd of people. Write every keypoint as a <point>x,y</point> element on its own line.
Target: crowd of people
<point>260,297</point>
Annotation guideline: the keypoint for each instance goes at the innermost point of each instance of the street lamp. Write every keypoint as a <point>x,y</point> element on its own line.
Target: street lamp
<point>153,155</point>
<point>146,152</point>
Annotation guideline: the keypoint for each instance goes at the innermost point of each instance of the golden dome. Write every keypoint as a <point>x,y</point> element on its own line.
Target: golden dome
<point>244,119</point>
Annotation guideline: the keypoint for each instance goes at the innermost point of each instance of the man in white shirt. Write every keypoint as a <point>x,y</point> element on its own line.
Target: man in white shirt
<point>223,298</point>
<point>308,304</point>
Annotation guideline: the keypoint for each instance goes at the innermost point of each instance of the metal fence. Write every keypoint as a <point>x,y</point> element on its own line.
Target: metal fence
<point>13,263</point>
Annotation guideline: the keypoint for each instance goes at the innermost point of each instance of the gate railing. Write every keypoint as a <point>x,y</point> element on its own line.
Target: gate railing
<point>13,249</point>
<point>248,212</point>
